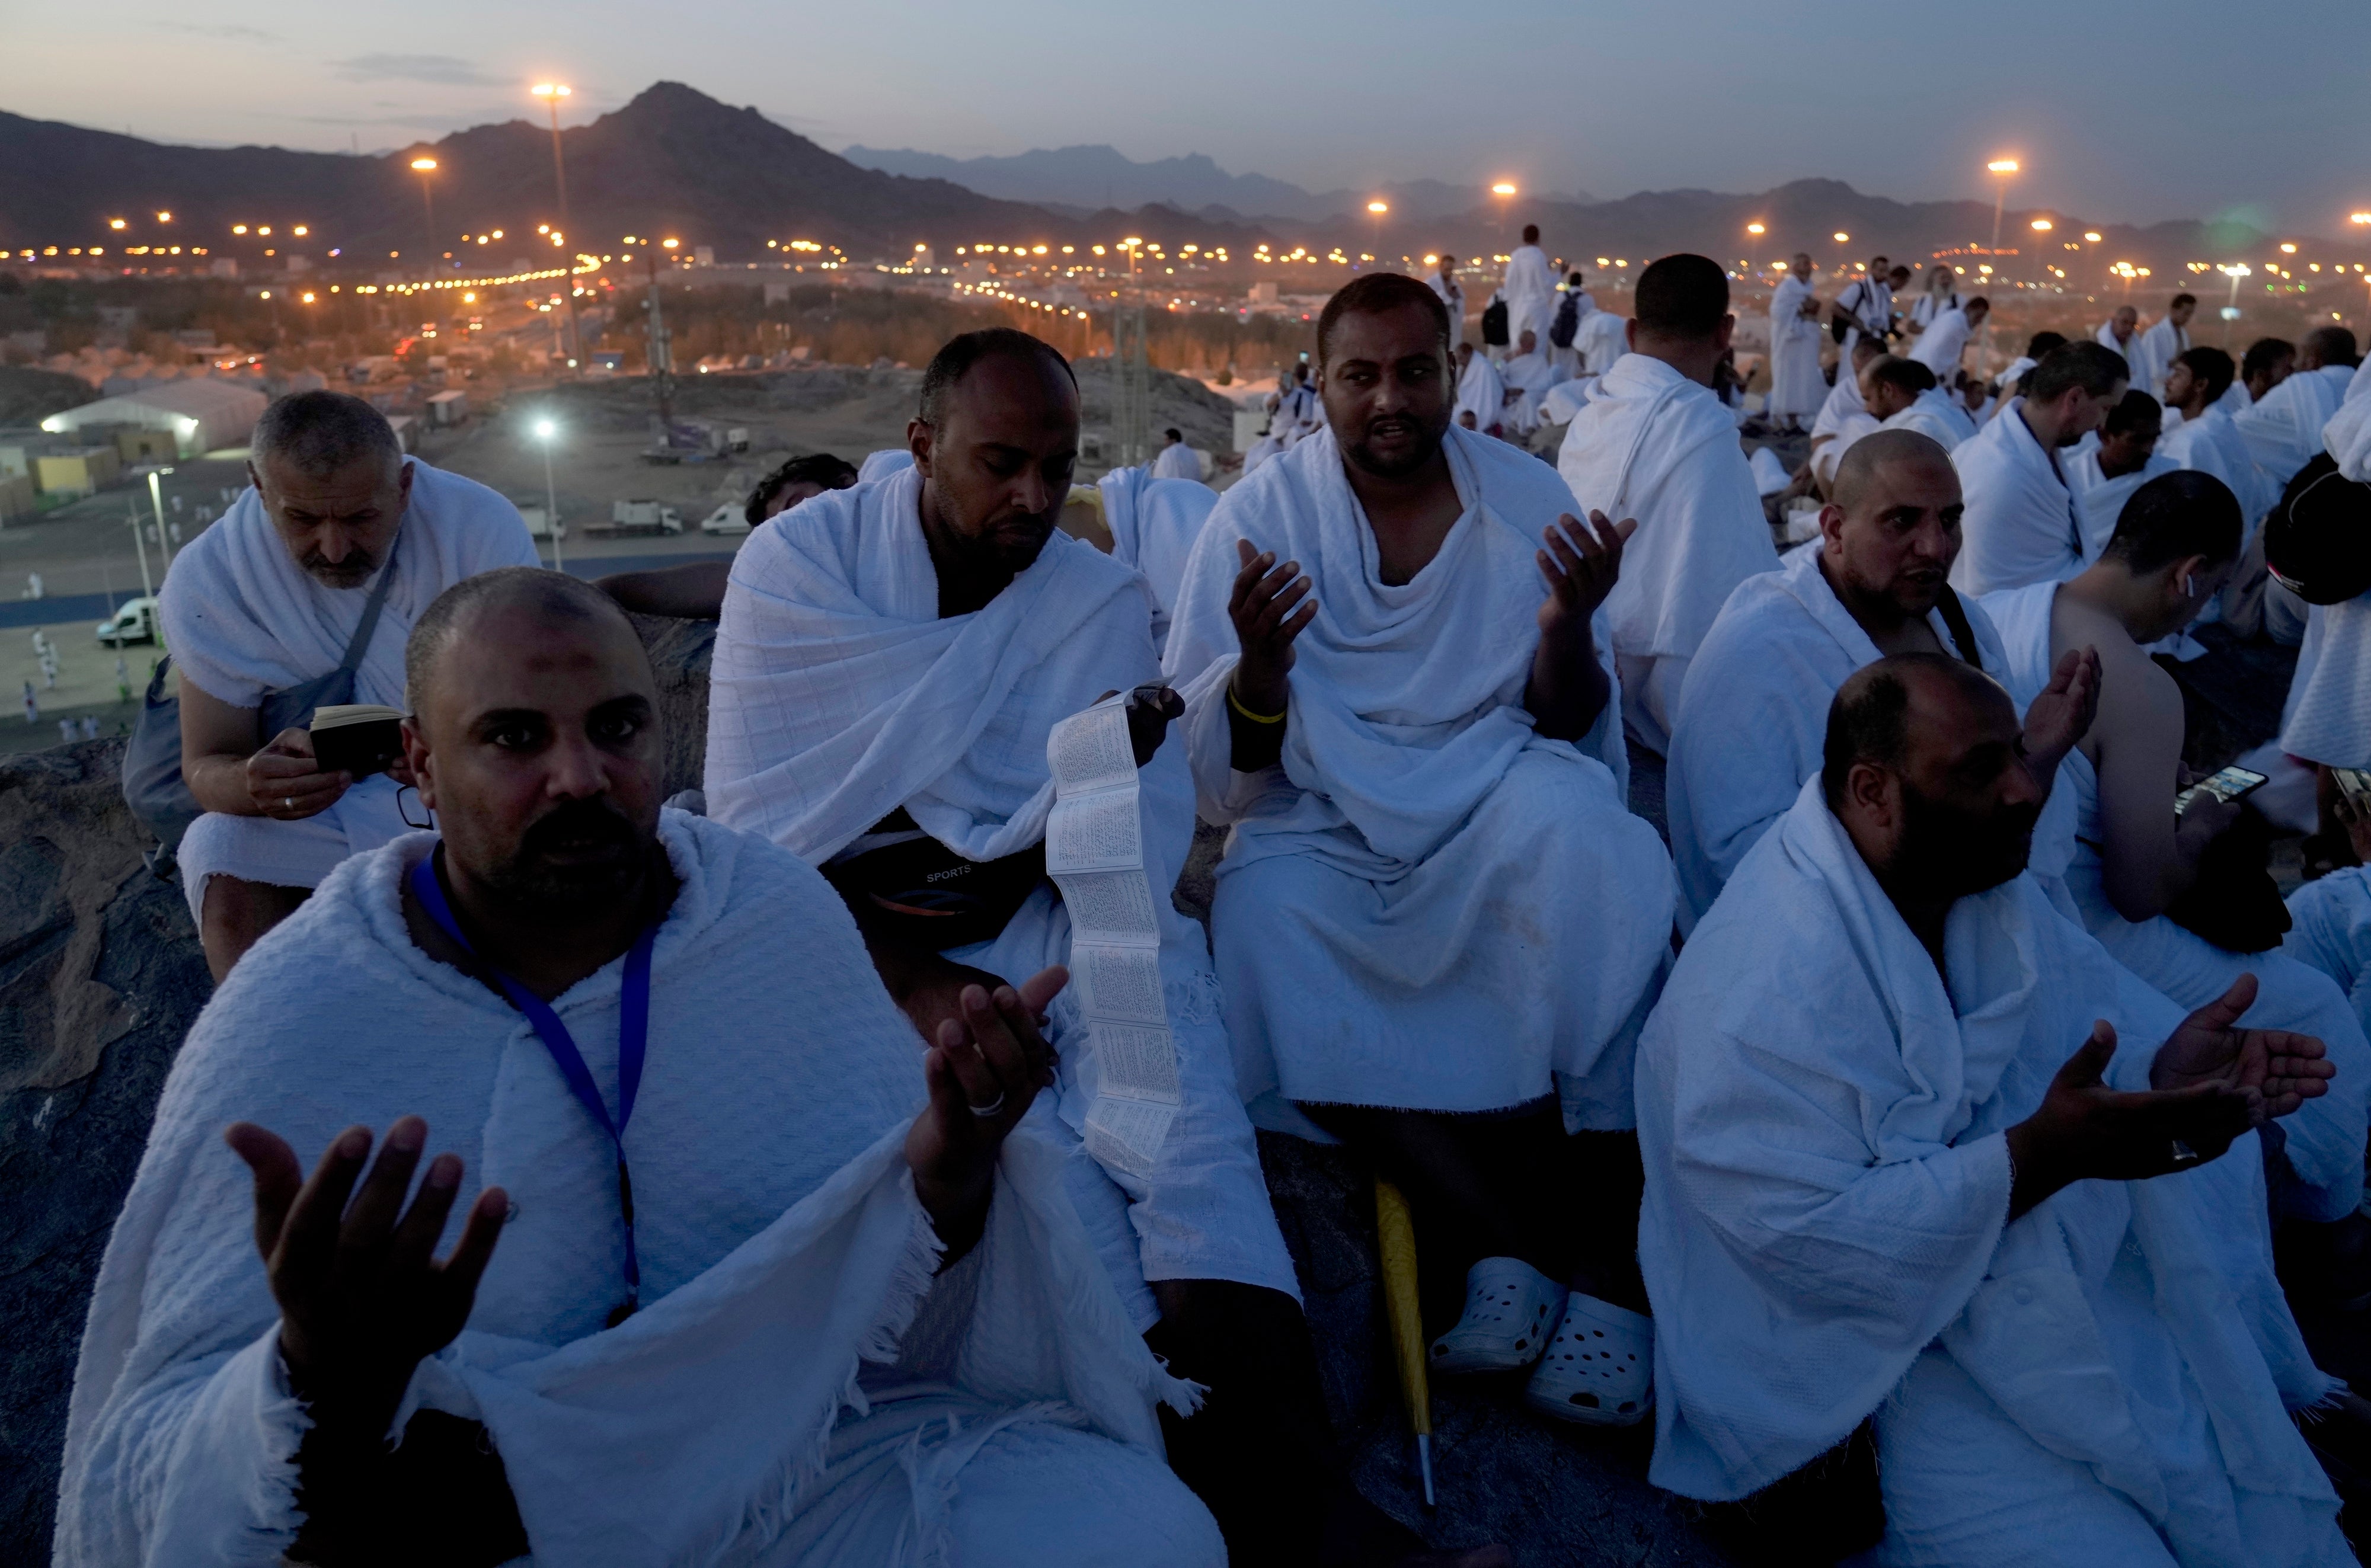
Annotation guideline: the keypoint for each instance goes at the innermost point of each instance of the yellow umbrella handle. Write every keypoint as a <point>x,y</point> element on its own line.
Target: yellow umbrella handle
<point>1395,1240</point>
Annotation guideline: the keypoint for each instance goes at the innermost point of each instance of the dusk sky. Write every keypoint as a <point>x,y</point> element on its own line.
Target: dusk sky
<point>2122,110</point>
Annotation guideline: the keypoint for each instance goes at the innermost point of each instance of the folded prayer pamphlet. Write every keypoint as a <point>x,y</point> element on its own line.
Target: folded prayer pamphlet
<point>1094,851</point>
<point>362,738</point>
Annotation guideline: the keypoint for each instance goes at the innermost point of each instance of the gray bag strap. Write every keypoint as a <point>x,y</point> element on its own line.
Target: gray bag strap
<point>360,646</point>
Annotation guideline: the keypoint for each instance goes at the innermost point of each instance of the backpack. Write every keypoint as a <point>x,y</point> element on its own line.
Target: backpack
<point>1566,325</point>
<point>1494,325</point>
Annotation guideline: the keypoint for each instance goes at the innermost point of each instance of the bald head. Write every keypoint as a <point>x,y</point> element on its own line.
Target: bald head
<point>1857,472</point>
<point>1923,768</point>
<point>545,598</point>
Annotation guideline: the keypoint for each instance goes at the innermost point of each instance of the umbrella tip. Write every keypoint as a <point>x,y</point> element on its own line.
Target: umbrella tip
<point>1424,1466</point>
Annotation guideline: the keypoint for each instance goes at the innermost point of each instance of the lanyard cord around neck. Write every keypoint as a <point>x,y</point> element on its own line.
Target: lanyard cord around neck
<point>633,1041</point>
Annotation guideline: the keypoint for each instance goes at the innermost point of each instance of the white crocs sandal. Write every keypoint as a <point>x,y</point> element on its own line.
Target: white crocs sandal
<point>1600,1367</point>
<point>1509,1309</point>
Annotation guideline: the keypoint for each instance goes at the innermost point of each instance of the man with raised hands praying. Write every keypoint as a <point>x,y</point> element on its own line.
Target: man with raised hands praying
<point>1437,923</point>
<point>1919,1156</point>
<point>776,1282</point>
<point>890,666</point>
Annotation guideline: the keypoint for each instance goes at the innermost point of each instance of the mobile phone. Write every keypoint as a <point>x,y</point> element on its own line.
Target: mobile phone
<point>2354,784</point>
<point>2223,784</point>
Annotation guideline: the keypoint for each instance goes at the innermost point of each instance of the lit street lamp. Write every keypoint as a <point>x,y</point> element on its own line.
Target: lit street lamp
<point>1505,191</point>
<point>2235,272</point>
<point>157,502</point>
<point>424,167</point>
<point>2000,168</point>
<point>1752,262</point>
<point>551,93</point>
<point>545,432</point>
<point>1376,209</point>
<point>2040,227</point>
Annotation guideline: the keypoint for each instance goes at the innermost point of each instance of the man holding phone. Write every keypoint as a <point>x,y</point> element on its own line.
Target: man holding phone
<point>2123,855</point>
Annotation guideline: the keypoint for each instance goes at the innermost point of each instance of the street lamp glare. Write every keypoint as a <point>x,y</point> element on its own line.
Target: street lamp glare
<point>1379,208</point>
<point>2002,166</point>
<point>424,165</point>
<point>2041,226</point>
<point>550,90</point>
<point>2091,235</point>
<point>1841,237</point>
<point>545,430</point>
<point>1503,188</point>
<point>1755,229</point>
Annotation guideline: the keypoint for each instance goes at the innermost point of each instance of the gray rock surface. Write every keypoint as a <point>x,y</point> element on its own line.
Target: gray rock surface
<point>101,976</point>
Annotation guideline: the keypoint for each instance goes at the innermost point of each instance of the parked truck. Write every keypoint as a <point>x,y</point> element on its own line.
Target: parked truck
<point>638,517</point>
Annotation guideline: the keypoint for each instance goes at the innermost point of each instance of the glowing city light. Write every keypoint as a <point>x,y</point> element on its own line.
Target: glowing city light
<point>1756,230</point>
<point>424,165</point>
<point>1503,188</point>
<point>115,223</point>
<point>2041,226</point>
<point>2002,166</point>
<point>551,90</point>
<point>1379,208</point>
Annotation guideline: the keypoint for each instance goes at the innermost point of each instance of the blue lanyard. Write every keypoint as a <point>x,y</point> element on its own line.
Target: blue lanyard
<point>633,1041</point>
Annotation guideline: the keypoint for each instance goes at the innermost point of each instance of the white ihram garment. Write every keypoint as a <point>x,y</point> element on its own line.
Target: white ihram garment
<point>2101,499</point>
<point>1753,715</point>
<point>244,619</point>
<point>2021,524</point>
<point>1154,523</point>
<point>1176,461</point>
<point>784,1258</point>
<point>2159,346</point>
<point>1826,1237</point>
<point>1656,447</point>
<point>2211,445</point>
<point>1938,348</point>
<point>2331,929</point>
<point>1849,432</point>
<point>2326,1138</point>
<point>1530,374</point>
<point>2329,717</point>
<point>1843,401</point>
<point>836,695</point>
<point>1931,416</point>
<point>2284,431</point>
<point>1481,393</point>
<point>1408,898</point>
<point>1530,287</point>
<point>2105,336</point>
<point>1603,340</point>
<point>1796,387</point>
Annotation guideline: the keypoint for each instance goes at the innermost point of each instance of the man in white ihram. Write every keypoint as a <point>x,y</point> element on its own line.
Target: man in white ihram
<point>2122,332</point>
<point>1755,707</point>
<point>1945,338</point>
<point>2022,524</point>
<point>1531,291</point>
<point>2284,427</point>
<point>838,1309</point>
<point>1175,460</point>
<point>1796,387</point>
<point>272,598</point>
<point>1397,697</point>
<point>891,662</point>
<point>1654,443</point>
<point>1899,1170</point>
<point>2167,341</point>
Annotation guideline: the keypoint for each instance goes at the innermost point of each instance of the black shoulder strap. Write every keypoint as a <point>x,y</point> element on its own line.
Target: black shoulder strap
<point>1955,617</point>
<point>360,646</point>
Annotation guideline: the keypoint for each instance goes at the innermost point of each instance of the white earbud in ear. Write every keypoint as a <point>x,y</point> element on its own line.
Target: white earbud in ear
<point>2186,589</point>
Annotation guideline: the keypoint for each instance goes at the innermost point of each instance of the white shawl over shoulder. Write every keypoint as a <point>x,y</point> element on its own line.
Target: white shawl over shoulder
<point>780,1236</point>
<point>243,618</point>
<point>1753,715</point>
<point>2021,524</point>
<point>1656,447</point>
<point>1827,1196</point>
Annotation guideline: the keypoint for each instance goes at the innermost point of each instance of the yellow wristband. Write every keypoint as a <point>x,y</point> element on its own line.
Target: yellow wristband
<point>1236,703</point>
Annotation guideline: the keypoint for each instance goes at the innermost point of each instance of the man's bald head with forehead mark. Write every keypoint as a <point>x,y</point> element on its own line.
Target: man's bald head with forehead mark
<point>550,596</point>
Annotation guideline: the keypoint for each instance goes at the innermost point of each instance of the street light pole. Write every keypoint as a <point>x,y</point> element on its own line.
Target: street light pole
<point>424,167</point>
<point>551,93</point>
<point>157,501</point>
<point>1376,209</point>
<point>544,431</point>
<point>2003,168</point>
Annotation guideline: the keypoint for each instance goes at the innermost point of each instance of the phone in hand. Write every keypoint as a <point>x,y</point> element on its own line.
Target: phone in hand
<point>2223,784</point>
<point>2354,784</point>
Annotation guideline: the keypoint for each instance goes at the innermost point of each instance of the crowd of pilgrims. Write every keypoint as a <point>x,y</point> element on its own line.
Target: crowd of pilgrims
<point>561,1171</point>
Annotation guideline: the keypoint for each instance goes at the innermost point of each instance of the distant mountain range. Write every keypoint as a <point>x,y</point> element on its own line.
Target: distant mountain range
<point>672,161</point>
<point>676,161</point>
<point>1083,179</point>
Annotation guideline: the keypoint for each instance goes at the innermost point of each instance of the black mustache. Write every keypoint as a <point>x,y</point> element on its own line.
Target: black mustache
<point>595,819</point>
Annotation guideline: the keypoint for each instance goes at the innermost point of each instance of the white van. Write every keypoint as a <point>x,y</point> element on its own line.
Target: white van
<point>135,621</point>
<point>732,517</point>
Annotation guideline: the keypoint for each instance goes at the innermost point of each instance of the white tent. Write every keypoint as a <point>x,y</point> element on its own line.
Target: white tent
<point>203,413</point>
